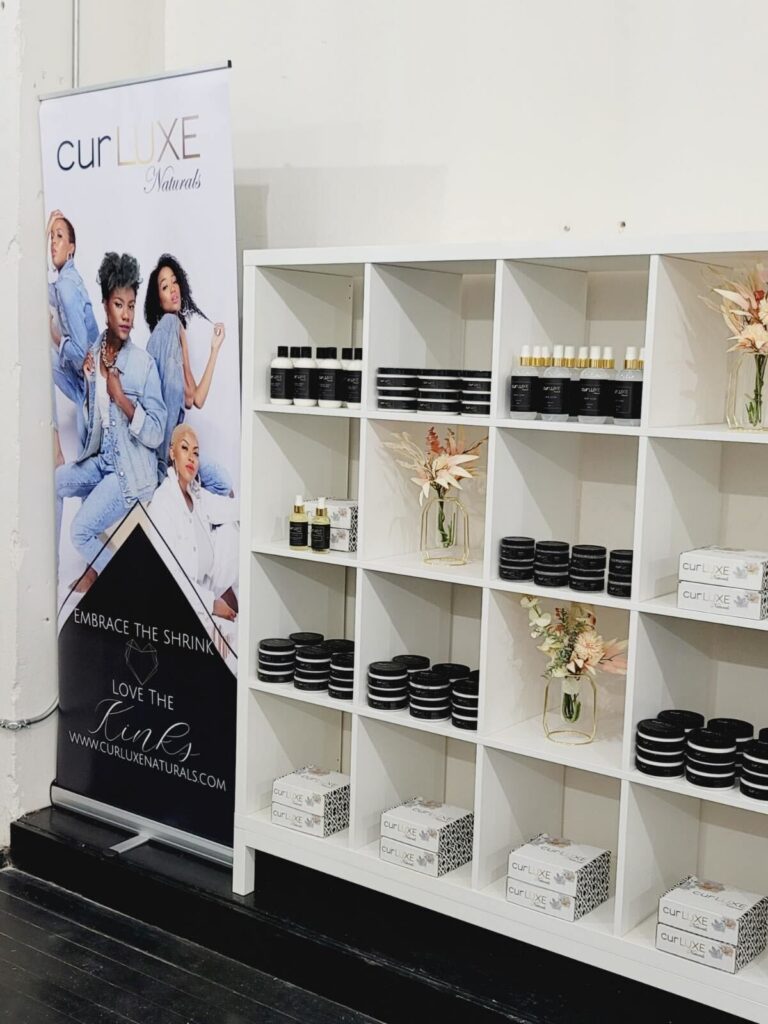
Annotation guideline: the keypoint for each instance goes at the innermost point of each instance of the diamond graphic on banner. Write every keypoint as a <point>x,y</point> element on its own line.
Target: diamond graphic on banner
<point>142,661</point>
<point>147,719</point>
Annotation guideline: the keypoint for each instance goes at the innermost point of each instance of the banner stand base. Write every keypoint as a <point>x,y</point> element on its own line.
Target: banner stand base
<point>145,829</point>
<point>130,844</point>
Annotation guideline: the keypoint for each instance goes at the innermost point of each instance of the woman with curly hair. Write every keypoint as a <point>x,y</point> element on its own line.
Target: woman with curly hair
<point>167,308</point>
<point>125,423</point>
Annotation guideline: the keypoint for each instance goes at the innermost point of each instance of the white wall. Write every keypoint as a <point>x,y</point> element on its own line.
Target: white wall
<point>355,122</point>
<point>422,120</point>
<point>36,58</point>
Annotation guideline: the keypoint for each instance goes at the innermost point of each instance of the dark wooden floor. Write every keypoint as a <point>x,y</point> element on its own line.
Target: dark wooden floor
<point>64,959</point>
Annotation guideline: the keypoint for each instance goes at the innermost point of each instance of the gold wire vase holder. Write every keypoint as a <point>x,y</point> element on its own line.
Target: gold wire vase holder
<point>567,720</point>
<point>444,532</point>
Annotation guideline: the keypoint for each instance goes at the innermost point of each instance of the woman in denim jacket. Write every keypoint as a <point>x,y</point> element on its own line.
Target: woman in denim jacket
<point>125,423</point>
<point>73,325</point>
<point>167,308</point>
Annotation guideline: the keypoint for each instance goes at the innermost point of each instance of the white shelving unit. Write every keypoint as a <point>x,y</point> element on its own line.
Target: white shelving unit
<point>678,480</point>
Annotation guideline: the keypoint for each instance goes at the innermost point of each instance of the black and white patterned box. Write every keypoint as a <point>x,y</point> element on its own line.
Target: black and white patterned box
<point>427,826</point>
<point>723,956</point>
<point>716,911</point>
<point>425,861</point>
<point>725,567</point>
<point>550,864</point>
<point>705,597</point>
<point>313,789</point>
<point>320,825</point>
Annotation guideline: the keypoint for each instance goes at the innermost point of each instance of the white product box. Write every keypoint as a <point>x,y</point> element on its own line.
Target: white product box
<point>343,540</point>
<point>705,597</point>
<point>430,825</point>
<point>562,866</point>
<point>545,901</point>
<point>723,956</point>
<point>341,511</point>
<point>300,821</point>
<point>715,911</point>
<point>725,567</point>
<point>313,789</point>
<point>415,859</point>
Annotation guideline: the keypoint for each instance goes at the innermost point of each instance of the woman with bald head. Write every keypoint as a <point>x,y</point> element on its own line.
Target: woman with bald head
<point>199,527</point>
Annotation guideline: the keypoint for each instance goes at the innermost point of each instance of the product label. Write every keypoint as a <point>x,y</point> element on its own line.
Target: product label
<point>303,380</point>
<point>627,399</point>
<point>280,383</point>
<point>326,385</point>
<point>591,397</point>
<point>298,535</point>
<point>574,397</point>
<point>606,398</point>
<point>321,536</point>
<point>353,385</point>
<point>553,395</point>
<point>523,394</point>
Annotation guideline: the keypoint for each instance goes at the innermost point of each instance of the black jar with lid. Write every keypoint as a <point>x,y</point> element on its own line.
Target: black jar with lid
<point>678,716</point>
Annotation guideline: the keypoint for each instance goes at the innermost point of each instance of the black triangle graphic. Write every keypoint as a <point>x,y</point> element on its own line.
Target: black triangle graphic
<point>147,705</point>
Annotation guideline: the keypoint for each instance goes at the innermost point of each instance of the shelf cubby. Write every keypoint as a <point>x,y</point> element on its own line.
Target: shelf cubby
<point>394,764</point>
<point>299,455</point>
<point>689,368</point>
<point>391,501</point>
<point>430,316</point>
<point>671,835</point>
<point>292,735</point>
<point>296,595</point>
<point>591,301</point>
<point>698,494</point>
<point>579,488</point>
<point>409,615</point>
<point>316,306</point>
<point>522,797</point>
<point>511,712</point>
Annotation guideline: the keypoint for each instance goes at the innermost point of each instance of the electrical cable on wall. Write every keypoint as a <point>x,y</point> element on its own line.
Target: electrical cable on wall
<point>23,723</point>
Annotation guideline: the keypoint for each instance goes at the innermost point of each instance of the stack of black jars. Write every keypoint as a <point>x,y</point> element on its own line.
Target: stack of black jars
<point>550,566</point>
<point>464,701</point>
<point>620,573</point>
<point>587,568</point>
<point>660,748</point>
<point>276,660</point>
<point>447,392</point>
<point>476,392</point>
<point>340,685</point>
<point>677,743</point>
<point>553,563</point>
<point>430,695</point>
<point>516,558</point>
<point>397,388</point>
<point>309,662</point>
<point>313,668</point>
<point>440,392</point>
<point>446,690</point>
<point>710,759</point>
<point>387,685</point>
<point>754,768</point>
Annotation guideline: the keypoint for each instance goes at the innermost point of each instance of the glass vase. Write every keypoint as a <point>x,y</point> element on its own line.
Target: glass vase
<point>570,709</point>
<point>745,404</point>
<point>444,532</point>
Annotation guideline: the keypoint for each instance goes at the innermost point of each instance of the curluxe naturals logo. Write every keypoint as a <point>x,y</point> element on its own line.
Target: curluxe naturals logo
<point>154,145</point>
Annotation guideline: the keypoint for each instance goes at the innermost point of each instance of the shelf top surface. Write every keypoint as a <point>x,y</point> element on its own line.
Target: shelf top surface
<point>349,260</point>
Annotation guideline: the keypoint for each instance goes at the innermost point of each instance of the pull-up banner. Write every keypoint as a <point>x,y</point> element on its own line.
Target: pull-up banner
<point>143,339</point>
